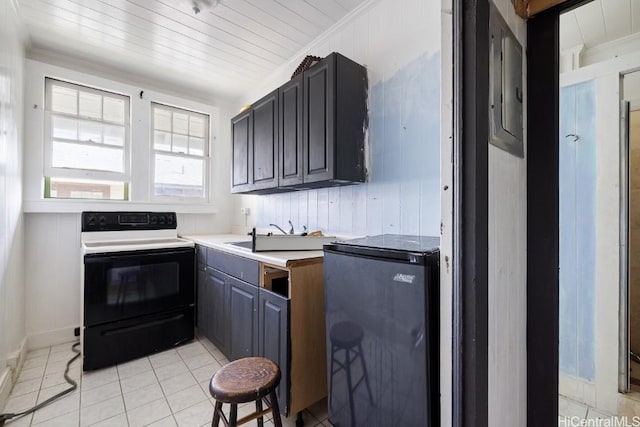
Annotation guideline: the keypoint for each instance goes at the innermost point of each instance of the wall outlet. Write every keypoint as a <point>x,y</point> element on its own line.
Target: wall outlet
<point>245,211</point>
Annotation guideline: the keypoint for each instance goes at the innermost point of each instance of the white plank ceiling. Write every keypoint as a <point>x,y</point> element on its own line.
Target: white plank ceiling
<point>598,22</point>
<point>222,50</point>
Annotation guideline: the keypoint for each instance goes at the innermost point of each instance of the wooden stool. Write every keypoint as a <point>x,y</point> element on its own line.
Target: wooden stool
<point>246,380</point>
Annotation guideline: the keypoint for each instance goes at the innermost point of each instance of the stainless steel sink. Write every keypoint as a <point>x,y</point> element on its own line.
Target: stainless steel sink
<point>243,245</point>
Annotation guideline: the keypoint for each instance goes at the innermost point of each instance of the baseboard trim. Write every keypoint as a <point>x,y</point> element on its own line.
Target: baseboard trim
<point>577,389</point>
<point>16,359</point>
<point>49,338</point>
<point>5,387</point>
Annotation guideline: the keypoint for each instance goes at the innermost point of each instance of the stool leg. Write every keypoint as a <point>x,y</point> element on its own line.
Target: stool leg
<point>350,389</point>
<point>364,371</point>
<point>259,409</point>
<point>275,409</point>
<point>216,414</point>
<point>233,415</point>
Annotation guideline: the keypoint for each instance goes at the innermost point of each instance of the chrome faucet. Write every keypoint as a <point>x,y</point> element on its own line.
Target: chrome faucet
<point>278,227</point>
<point>291,230</point>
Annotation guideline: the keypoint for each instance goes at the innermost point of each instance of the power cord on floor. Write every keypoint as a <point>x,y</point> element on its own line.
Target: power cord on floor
<point>74,385</point>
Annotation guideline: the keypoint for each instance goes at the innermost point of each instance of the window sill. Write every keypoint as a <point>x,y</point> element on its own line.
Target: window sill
<point>77,206</point>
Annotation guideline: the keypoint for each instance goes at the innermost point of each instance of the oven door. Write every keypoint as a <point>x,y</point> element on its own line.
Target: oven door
<point>123,285</point>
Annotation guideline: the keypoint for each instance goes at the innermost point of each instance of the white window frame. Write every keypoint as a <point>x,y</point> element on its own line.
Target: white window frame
<point>206,157</point>
<point>88,174</point>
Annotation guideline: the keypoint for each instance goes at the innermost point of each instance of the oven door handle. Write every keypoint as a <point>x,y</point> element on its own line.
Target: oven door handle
<point>102,257</point>
<point>117,331</point>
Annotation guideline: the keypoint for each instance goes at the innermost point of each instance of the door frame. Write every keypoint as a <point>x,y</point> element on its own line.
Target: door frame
<point>543,98</point>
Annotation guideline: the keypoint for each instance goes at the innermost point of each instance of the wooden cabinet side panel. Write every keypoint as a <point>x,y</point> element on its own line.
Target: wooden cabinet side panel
<point>308,330</point>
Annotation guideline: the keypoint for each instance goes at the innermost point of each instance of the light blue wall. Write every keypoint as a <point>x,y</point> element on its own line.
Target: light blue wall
<point>577,230</point>
<point>402,195</point>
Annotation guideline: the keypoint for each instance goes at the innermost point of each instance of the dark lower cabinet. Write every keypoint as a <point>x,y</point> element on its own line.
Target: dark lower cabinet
<point>243,319</point>
<point>218,288</point>
<point>274,339</point>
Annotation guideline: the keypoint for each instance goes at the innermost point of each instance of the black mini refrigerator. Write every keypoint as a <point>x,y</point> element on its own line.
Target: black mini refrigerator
<point>382,317</point>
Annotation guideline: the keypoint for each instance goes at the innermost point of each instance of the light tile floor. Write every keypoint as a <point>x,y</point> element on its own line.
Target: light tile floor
<point>571,412</point>
<point>165,389</point>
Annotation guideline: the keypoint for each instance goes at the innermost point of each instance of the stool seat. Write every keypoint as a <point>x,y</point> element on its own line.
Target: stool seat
<point>244,380</point>
<point>346,334</point>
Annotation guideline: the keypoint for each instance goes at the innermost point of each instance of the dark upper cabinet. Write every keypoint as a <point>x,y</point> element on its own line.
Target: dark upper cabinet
<point>320,124</point>
<point>242,152</point>
<point>264,171</point>
<point>318,111</point>
<point>255,146</point>
<point>290,132</point>
<point>334,120</point>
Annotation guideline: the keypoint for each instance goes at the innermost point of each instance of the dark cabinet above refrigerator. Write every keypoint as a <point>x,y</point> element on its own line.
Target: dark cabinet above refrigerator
<point>310,132</point>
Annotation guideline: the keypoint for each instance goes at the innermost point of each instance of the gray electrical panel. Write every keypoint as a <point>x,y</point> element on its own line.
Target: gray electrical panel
<point>505,87</point>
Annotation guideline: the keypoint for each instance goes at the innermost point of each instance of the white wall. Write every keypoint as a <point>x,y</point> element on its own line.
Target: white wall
<point>508,272</point>
<point>400,44</point>
<point>52,227</point>
<point>11,219</point>
<point>603,392</point>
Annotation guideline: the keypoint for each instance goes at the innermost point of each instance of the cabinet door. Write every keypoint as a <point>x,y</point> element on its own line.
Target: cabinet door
<point>290,132</point>
<point>243,319</point>
<point>218,317</point>
<point>264,164</point>
<point>241,137</point>
<point>273,338</point>
<point>319,121</point>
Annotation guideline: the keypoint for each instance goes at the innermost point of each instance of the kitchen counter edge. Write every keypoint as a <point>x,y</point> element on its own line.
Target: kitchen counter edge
<point>276,258</point>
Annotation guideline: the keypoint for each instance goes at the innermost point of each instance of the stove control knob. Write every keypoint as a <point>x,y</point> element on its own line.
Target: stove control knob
<point>170,219</point>
<point>103,220</point>
<point>154,219</point>
<point>91,220</point>
<point>162,219</point>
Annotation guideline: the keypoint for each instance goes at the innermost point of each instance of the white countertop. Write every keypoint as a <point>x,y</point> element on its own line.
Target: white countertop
<point>276,258</point>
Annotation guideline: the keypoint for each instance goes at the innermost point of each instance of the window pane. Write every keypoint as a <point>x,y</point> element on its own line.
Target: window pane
<point>162,119</point>
<point>114,135</point>
<point>113,110</point>
<point>90,131</point>
<point>78,156</point>
<point>196,146</point>
<point>196,126</point>
<point>90,105</point>
<point>162,141</point>
<point>178,176</point>
<point>180,143</point>
<point>86,189</point>
<point>64,128</point>
<point>64,100</point>
<point>181,123</point>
